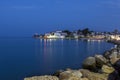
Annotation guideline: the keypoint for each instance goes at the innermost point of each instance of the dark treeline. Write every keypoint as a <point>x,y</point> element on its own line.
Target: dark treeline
<point>84,32</point>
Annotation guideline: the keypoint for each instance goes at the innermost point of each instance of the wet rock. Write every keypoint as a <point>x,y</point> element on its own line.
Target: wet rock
<point>70,75</point>
<point>93,76</point>
<point>89,63</point>
<point>100,60</point>
<point>42,78</point>
<point>107,69</point>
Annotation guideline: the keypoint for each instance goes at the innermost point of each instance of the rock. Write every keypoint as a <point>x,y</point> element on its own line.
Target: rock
<point>107,69</point>
<point>113,60</point>
<point>118,55</point>
<point>113,50</point>
<point>100,60</point>
<point>57,73</point>
<point>118,47</point>
<point>68,69</point>
<point>116,74</point>
<point>107,54</point>
<point>117,66</point>
<point>84,72</point>
<point>89,63</point>
<point>93,76</point>
<point>42,78</point>
<point>113,57</point>
<point>84,79</point>
<point>70,75</point>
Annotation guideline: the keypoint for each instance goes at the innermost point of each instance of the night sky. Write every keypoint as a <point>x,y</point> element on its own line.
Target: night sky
<point>26,17</point>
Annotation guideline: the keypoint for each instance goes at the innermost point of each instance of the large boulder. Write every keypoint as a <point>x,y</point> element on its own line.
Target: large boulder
<point>114,57</point>
<point>42,78</point>
<point>107,54</point>
<point>118,55</point>
<point>89,63</point>
<point>116,74</point>
<point>93,76</point>
<point>107,69</point>
<point>70,75</point>
<point>100,60</point>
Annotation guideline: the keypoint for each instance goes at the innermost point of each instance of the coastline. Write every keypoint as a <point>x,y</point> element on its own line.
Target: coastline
<point>97,67</point>
<point>117,42</point>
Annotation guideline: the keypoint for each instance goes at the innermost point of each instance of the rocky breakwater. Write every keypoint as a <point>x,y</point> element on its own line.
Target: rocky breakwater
<point>98,67</point>
<point>114,41</point>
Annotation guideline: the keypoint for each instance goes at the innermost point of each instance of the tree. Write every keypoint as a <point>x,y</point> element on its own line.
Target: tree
<point>67,31</point>
<point>116,31</point>
<point>79,31</point>
<point>86,31</point>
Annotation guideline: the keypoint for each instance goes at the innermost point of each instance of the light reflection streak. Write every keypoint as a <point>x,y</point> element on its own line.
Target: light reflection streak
<point>92,44</point>
<point>48,51</point>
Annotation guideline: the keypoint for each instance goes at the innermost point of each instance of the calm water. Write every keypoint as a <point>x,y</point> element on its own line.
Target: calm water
<point>21,57</point>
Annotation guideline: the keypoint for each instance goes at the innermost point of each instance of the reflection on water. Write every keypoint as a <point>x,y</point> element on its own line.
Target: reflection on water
<point>92,46</point>
<point>68,53</point>
<point>30,57</point>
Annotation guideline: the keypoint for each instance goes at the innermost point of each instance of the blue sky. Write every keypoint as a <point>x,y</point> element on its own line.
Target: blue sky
<point>26,17</point>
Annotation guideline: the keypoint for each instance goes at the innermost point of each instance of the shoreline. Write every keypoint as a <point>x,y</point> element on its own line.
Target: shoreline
<point>117,42</point>
<point>87,39</point>
<point>97,67</point>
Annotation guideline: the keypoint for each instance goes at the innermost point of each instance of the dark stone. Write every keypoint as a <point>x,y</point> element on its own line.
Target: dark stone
<point>100,60</point>
<point>107,54</point>
<point>57,73</point>
<point>116,74</point>
<point>117,66</point>
<point>89,63</point>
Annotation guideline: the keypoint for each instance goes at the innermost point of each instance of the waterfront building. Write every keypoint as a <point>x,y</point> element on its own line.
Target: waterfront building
<point>55,35</point>
<point>76,36</point>
<point>115,37</point>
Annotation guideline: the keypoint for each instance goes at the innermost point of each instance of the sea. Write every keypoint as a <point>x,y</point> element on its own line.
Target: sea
<point>22,57</point>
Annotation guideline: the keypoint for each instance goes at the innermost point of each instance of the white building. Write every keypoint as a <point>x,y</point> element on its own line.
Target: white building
<point>55,35</point>
<point>76,36</point>
<point>115,37</point>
